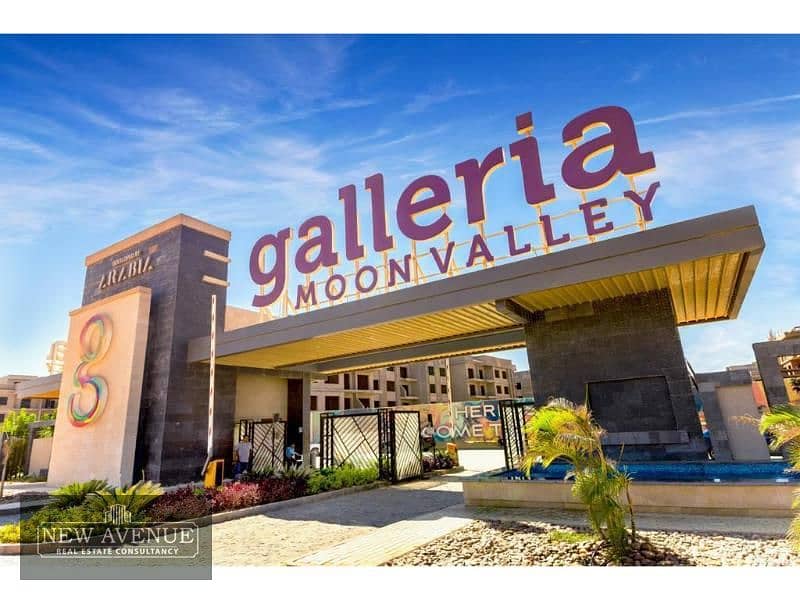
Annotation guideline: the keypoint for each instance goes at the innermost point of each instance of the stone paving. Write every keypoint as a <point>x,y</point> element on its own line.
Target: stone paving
<point>281,536</point>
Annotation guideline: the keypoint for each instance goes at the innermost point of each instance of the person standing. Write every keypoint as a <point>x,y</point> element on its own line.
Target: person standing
<point>243,450</point>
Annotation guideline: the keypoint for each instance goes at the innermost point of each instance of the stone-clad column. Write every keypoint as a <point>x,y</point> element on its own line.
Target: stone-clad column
<point>623,356</point>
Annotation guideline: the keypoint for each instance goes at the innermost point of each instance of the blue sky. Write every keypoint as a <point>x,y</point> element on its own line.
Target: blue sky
<point>103,136</point>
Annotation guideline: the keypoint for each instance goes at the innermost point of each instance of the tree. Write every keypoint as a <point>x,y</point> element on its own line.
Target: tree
<point>782,424</point>
<point>562,430</point>
<point>16,423</point>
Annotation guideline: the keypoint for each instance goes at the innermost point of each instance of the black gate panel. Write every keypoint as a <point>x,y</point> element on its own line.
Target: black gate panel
<point>384,438</point>
<point>351,439</point>
<point>407,446</point>
<point>514,415</point>
<point>268,438</point>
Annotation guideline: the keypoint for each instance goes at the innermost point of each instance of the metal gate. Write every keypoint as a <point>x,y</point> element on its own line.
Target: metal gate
<point>388,439</point>
<point>514,414</point>
<point>268,438</point>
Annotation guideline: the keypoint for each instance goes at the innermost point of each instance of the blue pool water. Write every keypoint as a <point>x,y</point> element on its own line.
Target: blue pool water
<point>775,471</point>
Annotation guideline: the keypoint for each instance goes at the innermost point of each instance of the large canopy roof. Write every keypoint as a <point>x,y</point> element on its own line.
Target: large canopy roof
<point>706,264</point>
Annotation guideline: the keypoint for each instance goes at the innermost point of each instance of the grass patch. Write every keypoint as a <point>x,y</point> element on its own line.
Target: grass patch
<point>570,537</point>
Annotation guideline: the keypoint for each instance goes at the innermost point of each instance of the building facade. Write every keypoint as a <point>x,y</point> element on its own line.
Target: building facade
<point>12,400</point>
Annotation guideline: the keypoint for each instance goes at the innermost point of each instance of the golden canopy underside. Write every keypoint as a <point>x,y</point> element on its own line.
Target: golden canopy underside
<point>701,289</point>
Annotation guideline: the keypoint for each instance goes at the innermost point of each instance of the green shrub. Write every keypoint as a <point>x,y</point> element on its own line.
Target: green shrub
<point>135,498</point>
<point>29,529</point>
<point>340,477</point>
<point>75,494</point>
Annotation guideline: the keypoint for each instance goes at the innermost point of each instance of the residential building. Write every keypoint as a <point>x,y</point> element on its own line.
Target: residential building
<point>523,385</point>
<point>416,383</point>
<point>55,358</point>
<point>11,399</point>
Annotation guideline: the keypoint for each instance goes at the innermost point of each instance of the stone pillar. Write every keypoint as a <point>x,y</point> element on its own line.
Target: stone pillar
<point>624,357</point>
<point>183,263</point>
<point>767,354</point>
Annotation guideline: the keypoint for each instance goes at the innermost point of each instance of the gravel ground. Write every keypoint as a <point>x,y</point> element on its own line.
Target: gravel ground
<point>533,543</point>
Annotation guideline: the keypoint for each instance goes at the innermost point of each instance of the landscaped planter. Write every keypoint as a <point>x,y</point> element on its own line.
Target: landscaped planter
<point>752,499</point>
<point>215,518</point>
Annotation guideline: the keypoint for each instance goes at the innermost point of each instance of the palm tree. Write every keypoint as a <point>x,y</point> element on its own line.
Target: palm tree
<point>782,424</point>
<point>562,430</point>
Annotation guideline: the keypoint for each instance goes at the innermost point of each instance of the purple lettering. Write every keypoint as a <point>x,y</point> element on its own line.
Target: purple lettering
<point>409,206</point>
<point>644,203</point>
<point>591,218</point>
<point>276,276</point>
<point>475,175</point>
<point>621,139</point>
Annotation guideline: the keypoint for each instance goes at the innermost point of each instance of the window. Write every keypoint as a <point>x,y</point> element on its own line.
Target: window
<point>496,374</point>
<point>313,403</point>
<point>471,373</point>
<point>480,373</point>
<point>442,372</point>
<point>391,403</point>
<point>505,390</point>
<point>50,403</point>
<point>364,402</point>
<point>347,381</point>
<point>431,371</point>
<point>347,404</point>
<point>26,403</point>
<point>471,390</point>
<point>498,388</point>
<point>403,372</point>
<point>390,386</point>
<point>444,389</point>
<point>332,379</point>
<point>363,382</point>
<point>483,391</point>
<point>505,375</point>
<point>3,400</point>
<point>519,385</point>
<point>432,388</point>
<point>391,369</point>
<point>331,402</point>
<point>2,417</point>
<point>376,385</point>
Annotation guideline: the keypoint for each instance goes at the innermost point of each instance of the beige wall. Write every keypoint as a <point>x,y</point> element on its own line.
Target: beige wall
<point>104,448</point>
<point>40,455</point>
<point>260,396</point>
<point>745,441</point>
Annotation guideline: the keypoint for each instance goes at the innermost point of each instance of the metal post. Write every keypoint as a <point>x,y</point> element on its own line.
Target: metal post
<point>212,365</point>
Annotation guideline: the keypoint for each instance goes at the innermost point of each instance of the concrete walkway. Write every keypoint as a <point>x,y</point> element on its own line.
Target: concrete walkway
<point>281,536</point>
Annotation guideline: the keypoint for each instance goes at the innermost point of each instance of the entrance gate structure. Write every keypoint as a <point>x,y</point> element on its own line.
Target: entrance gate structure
<point>268,439</point>
<point>514,415</point>
<point>387,438</point>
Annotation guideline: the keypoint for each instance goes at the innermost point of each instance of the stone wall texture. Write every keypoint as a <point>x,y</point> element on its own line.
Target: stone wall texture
<point>627,351</point>
<point>171,444</point>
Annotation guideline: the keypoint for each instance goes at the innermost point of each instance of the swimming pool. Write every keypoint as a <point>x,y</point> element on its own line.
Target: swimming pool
<point>772,471</point>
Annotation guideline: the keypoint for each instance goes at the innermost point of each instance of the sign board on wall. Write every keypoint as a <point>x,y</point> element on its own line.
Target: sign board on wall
<point>98,408</point>
<point>471,423</point>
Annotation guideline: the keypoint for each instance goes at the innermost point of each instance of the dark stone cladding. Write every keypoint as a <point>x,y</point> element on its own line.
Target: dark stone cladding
<point>173,419</point>
<point>630,337</point>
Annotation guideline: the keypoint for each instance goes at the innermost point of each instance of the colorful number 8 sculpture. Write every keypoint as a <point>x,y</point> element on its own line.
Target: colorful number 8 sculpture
<point>95,339</point>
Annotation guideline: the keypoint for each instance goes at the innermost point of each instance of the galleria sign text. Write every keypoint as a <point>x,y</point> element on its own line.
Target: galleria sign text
<point>317,249</point>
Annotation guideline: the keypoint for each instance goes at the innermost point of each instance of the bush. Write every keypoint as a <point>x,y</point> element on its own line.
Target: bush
<point>180,505</point>
<point>135,498</point>
<point>340,477</point>
<point>27,530</point>
<point>75,494</point>
<point>253,493</point>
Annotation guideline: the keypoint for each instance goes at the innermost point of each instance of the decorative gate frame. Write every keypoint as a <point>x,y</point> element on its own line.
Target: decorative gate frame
<point>392,440</point>
<point>268,439</point>
<point>514,414</point>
